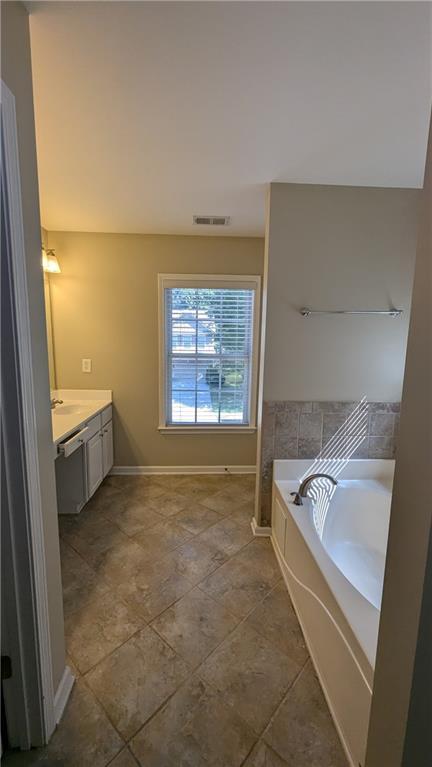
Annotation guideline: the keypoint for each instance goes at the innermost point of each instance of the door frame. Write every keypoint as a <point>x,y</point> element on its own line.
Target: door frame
<point>37,690</point>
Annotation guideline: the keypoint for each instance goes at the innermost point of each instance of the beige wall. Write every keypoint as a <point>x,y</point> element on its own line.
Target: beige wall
<point>47,296</point>
<point>409,538</point>
<point>333,247</point>
<point>105,306</point>
<point>16,73</point>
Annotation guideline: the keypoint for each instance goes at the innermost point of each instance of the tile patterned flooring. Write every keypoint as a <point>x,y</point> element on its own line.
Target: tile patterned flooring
<point>182,637</point>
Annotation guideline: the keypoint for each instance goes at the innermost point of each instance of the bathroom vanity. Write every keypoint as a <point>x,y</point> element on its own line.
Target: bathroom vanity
<point>83,444</point>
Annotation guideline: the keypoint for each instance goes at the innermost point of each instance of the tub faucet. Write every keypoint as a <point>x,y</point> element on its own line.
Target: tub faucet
<point>55,402</point>
<point>302,491</point>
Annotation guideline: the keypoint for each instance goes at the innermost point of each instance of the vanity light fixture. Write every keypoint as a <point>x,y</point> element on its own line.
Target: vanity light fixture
<point>49,261</point>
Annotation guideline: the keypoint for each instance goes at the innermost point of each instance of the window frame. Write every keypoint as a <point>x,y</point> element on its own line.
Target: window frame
<point>229,281</point>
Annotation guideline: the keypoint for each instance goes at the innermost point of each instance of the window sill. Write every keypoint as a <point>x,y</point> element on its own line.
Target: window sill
<point>207,429</point>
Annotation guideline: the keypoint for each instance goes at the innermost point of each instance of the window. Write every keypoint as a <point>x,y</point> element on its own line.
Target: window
<point>208,350</point>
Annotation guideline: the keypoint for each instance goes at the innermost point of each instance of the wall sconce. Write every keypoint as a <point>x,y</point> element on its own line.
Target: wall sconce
<point>49,262</point>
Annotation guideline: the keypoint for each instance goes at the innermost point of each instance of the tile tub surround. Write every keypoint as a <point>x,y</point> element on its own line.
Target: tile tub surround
<point>301,429</point>
<point>188,650</point>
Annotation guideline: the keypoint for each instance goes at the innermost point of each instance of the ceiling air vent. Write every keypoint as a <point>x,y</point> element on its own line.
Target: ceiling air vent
<point>212,220</point>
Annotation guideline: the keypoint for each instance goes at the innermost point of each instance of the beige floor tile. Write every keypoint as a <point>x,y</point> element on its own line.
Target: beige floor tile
<point>140,582</point>
<point>264,756</point>
<point>116,584</point>
<point>194,729</point>
<point>162,538</point>
<point>196,559</point>
<point>228,535</point>
<point>237,483</point>
<point>117,480</point>
<point>132,480</point>
<point>223,501</point>
<point>120,562</point>
<point>124,759</point>
<point>241,487</point>
<point>134,516</point>
<point>160,598</point>
<point>203,480</point>
<point>251,674</point>
<point>196,518</point>
<point>194,626</point>
<point>136,679</point>
<point>246,480</point>
<point>245,511</point>
<point>98,628</point>
<point>89,519</point>
<point>275,619</point>
<point>260,555</point>
<point>170,504</point>
<point>170,481</point>
<point>85,737</point>
<point>144,492</point>
<point>106,495</point>
<point>302,731</point>
<point>196,487</point>
<point>93,536</point>
<point>248,495</point>
<point>79,581</point>
<point>238,585</point>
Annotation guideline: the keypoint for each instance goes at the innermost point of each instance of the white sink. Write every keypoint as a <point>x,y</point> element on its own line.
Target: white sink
<point>68,409</point>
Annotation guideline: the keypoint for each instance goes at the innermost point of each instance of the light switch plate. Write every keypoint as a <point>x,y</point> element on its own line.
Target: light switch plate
<point>86,365</point>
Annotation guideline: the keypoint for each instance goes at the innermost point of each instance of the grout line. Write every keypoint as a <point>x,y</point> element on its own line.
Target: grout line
<point>279,706</point>
<point>202,660</point>
<point>124,748</point>
<point>162,705</point>
<point>249,752</point>
<point>93,694</point>
<point>163,518</point>
<point>111,652</point>
<point>193,669</point>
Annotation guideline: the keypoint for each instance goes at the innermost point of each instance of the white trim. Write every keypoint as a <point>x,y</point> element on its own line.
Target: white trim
<point>261,369</point>
<point>35,522</point>
<point>246,281</point>
<point>207,429</point>
<point>117,470</point>
<point>260,531</point>
<point>62,695</point>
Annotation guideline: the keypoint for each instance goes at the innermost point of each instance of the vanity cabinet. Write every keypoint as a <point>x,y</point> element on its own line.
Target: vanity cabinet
<point>99,450</point>
<point>94,460</point>
<point>107,448</point>
<point>83,450</point>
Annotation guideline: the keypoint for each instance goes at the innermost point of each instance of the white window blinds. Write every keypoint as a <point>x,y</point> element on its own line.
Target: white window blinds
<point>209,347</point>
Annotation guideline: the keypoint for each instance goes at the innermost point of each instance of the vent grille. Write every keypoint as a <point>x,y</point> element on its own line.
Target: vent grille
<point>212,220</point>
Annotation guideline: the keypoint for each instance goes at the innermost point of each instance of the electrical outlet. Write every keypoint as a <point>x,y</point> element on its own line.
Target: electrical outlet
<point>86,365</point>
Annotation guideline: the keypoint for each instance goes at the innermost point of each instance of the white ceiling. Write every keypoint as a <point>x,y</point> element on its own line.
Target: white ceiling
<point>148,113</point>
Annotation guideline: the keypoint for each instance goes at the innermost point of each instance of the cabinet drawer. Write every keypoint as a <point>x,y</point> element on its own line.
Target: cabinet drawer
<point>93,426</point>
<point>106,415</point>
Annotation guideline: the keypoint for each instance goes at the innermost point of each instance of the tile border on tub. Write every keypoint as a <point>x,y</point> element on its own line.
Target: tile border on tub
<point>294,429</point>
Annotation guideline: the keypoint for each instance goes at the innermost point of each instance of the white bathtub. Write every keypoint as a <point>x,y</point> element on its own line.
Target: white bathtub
<point>332,556</point>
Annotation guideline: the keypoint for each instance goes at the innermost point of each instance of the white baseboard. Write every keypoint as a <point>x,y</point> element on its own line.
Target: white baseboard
<point>62,695</point>
<point>183,470</point>
<point>259,530</point>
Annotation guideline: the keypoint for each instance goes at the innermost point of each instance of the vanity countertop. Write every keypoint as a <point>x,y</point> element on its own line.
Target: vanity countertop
<point>79,406</point>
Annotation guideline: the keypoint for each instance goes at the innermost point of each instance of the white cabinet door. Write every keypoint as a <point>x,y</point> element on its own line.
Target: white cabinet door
<point>94,455</point>
<point>108,452</point>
